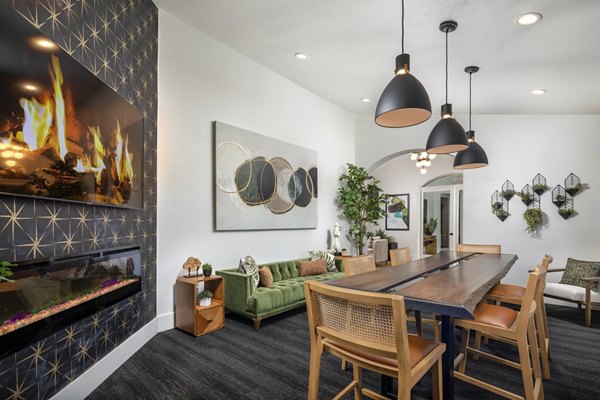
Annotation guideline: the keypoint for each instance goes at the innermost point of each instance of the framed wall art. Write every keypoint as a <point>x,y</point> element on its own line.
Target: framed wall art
<point>262,183</point>
<point>398,212</point>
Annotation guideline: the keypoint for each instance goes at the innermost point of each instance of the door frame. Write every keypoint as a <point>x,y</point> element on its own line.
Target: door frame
<point>454,205</point>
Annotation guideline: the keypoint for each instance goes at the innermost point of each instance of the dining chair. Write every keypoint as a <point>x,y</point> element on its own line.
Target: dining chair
<point>507,324</point>
<point>359,264</point>
<point>400,256</point>
<point>514,294</point>
<point>380,251</point>
<point>369,330</point>
<point>479,248</point>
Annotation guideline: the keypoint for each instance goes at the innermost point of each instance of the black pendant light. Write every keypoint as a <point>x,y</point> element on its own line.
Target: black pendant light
<point>404,101</point>
<point>474,156</point>
<point>447,135</point>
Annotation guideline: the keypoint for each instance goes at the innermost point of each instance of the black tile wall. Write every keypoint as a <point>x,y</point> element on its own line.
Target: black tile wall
<point>117,40</point>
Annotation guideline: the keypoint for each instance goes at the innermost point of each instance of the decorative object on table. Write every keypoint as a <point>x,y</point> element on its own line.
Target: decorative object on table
<point>205,298</point>
<point>5,271</point>
<point>362,202</point>
<point>423,160</point>
<point>326,255</point>
<point>572,184</point>
<point>533,219</point>
<point>192,263</point>
<point>263,183</point>
<point>398,213</point>
<point>430,226</point>
<point>527,195</point>
<point>345,253</point>
<point>404,101</point>
<point>447,135</point>
<point>248,266</point>
<point>337,246</point>
<point>474,156</point>
<point>508,190</point>
<point>207,269</point>
<point>539,184</point>
<point>559,196</point>
<point>499,205</point>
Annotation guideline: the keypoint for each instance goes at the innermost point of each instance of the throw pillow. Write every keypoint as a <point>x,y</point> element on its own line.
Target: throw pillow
<point>266,277</point>
<point>326,255</point>
<point>315,267</point>
<point>248,266</point>
<point>577,269</point>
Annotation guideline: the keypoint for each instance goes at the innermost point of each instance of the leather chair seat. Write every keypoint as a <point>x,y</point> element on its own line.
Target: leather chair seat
<point>494,315</point>
<point>506,290</point>
<point>418,348</point>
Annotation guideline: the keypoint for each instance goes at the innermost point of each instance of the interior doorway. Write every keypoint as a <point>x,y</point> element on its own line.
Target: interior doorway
<point>441,214</point>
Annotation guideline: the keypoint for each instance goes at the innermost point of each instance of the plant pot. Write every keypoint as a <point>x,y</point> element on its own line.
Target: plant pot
<point>392,245</point>
<point>527,202</point>
<point>558,203</point>
<point>207,272</point>
<point>204,301</point>
<point>572,191</point>
<point>539,192</point>
<point>565,215</point>
<point>508,196</point>
<point>502,217</point>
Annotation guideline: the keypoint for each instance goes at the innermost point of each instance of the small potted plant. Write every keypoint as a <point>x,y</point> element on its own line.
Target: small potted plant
<point>497,206</point>
<point>205,298</point>
<point>344,252</point>
<point>5,271</point>
<point>429,226</point>
<point>501,214</point>
<point>533,219</point>
<point>565,212</point>
<point>559,200</point>
<point>526,197</point>
<point>573,189</point>
<point>540,188</point>
<point>508,193</point>
<point>207,269</point>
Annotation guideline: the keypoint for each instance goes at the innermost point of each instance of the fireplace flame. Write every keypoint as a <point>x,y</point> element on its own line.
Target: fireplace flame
<point>37,122</point>
<point>124,158</point>
<point>59,102</point>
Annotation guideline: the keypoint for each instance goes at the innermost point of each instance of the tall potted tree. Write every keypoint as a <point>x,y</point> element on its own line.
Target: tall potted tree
<point>362,202</point>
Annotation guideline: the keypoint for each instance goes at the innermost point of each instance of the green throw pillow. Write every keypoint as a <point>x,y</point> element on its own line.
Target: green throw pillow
<point>326,255</point>
<point>248,266</point>
<point>577,269</point>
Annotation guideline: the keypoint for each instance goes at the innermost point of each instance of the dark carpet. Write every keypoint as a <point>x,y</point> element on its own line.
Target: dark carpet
<point>239,363</point>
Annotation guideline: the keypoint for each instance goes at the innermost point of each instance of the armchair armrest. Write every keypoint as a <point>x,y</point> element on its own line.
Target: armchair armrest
<point>238,287</point>
<point>590,279</point>
<point>551,270</point>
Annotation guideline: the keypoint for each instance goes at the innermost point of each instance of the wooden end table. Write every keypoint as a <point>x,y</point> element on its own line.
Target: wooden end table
<point>195,319</point>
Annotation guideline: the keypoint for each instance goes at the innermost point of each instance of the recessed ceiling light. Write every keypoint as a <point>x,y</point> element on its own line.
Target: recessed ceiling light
<point>300,56</point>
<point>365,100</point>
<point>538,92</point>
<point>529,18</point>
<point>44,43</point>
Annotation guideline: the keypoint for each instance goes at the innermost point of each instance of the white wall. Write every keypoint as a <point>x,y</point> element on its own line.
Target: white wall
<point>202,80</point>
<point>400,175</point>
<point>518,147</point>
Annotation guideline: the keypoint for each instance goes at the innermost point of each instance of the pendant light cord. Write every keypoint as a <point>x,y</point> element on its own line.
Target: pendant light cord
<point>402,26</point>
<point>446,66</point>
<point>470,78</point>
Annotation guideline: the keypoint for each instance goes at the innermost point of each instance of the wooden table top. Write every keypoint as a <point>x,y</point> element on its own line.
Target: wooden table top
<point>385,278</point>
<point>453,291</point>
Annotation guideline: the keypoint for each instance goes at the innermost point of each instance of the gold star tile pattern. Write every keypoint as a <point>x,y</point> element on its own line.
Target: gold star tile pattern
<point>117,41</point>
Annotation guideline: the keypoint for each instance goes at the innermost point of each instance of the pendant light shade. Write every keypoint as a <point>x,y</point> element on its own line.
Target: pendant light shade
<point>474,156</point>
<point>447,136</point>
<point>404,101</point>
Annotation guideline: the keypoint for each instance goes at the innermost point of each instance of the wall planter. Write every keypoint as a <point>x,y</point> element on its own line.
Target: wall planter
<point>539,184</point>
<point>527,195</point>
<point>572,184</point>
<point>533,219</point>
<point>499,206</point>
<point>508,190</point>
<point>565,212</point>
<point>559,196</point>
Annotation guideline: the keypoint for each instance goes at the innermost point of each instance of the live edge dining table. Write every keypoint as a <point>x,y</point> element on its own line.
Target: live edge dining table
<point>449,284</point>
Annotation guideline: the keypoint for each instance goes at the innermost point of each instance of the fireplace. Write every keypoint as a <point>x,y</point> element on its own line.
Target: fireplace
<point>52,294</point>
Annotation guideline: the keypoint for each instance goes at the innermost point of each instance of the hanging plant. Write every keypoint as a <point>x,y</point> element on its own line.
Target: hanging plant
<point>574,189</point>
<point>508,193</point>
<point>565,212</point>
<point>540,188</point>
<point>533,219</point>
<point>526,198</point>
<point>497,206</point>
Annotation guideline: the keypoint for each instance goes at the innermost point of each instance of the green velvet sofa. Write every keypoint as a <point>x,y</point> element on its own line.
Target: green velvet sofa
<point>286,294</point>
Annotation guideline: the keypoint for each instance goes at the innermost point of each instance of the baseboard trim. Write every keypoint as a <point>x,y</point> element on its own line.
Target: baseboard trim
<point>87,382</point>
<point>166,321</point>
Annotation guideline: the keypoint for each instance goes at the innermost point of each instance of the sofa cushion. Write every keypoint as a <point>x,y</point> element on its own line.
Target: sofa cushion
<point>326,255</point>
<point>248,266</point>
<point>571,292</point>
<point>266,277</point>
<point>315,267</point>
<point>577,269</point>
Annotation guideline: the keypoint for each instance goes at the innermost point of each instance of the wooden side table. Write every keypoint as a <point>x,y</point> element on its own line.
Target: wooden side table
<point>195,319</point>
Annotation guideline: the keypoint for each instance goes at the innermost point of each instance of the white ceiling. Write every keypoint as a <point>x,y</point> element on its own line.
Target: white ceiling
<point>352,44</point>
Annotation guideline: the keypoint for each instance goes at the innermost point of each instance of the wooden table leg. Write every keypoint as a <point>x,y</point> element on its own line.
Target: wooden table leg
<point>448,357</point>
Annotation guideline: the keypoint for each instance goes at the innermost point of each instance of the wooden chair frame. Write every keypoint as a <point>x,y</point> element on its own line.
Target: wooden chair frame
<point>359,264</point>
<point>400,256</point>
<point>588,296</point>
<point>324,338</point>
<point>523,333</point>
<point>479,248</point>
